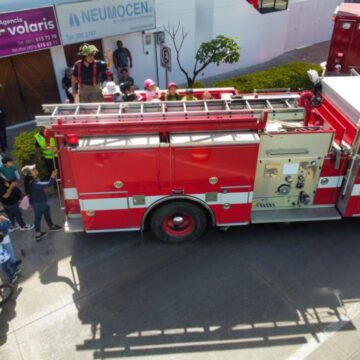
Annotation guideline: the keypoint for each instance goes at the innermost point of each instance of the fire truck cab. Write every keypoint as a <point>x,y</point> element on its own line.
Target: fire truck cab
<point>345,41</point>
<point>178,167</point>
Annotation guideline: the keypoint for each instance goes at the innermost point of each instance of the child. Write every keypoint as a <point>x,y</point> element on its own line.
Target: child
<point>127,94</point>
<point>8,170</point>
<point>189,95</point>
<point>38,198</point>
<point>172,94</point>
<point>109,78</point>
<point>150,87</point>
<point>7,267</point>
<point>5,225</point>
<point>207,96</point>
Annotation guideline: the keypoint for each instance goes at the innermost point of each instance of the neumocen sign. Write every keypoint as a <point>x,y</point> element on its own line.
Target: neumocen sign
<point>83,21</point>
<point>28,30</point>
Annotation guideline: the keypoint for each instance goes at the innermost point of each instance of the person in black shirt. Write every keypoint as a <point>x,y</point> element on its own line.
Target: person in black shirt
<point>10,195</point>
<point>3,137</point>
<point>87,73</point>
<point>66,84</point>
<point>35,189</point>
<point>121,58</point>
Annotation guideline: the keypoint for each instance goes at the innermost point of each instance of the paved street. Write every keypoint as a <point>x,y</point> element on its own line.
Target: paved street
<point>288,291</point>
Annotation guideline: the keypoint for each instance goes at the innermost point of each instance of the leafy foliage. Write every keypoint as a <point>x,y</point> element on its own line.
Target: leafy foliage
<point>25,154</point>
<point>198,85</point>
<point>292,75</point>
<point>222,49</point>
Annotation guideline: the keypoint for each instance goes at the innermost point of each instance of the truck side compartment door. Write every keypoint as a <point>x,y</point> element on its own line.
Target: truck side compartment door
<point>217,168</point>
<point>114,179</point>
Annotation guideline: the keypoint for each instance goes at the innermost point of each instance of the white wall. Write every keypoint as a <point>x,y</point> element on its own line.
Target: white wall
<point>309,22</point>
<point>59,63</point>
<point>173,12</point>
<point>261,37</point>
<point>143,55</point>
<point>204,20</point>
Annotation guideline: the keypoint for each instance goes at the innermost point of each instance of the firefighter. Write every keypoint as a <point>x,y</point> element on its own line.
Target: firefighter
<point>87,74</point>
<point>46,146</point>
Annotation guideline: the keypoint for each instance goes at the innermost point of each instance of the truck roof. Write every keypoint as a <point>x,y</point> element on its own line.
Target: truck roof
<point>348,10</point>
<point>344,92</point>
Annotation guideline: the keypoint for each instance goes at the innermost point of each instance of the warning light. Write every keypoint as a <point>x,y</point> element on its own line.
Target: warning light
<point>72,140</point>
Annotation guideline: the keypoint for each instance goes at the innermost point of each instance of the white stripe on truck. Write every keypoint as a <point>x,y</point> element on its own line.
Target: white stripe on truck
<point>328,182</point>
<point>356,190</point>
<point>70,194</point>
<point>125,203</point>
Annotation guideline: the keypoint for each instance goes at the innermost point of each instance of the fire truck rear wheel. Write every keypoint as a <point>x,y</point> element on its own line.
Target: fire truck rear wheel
<point>178,222</point>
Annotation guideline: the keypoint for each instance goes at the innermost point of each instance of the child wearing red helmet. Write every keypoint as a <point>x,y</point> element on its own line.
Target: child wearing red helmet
<point>150,87</point>
<point>172,94</point>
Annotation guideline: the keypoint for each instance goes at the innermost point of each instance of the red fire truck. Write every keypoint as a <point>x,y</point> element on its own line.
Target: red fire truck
<point>179,167</point>
<point>345,42</point>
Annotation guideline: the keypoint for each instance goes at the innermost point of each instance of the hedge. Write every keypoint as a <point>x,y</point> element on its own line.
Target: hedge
<point>292,75</point>
<point>198,85</point>
<point>24,152</point>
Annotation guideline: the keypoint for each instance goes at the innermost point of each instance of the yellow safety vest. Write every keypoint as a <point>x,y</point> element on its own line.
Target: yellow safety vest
<point>47,153</point>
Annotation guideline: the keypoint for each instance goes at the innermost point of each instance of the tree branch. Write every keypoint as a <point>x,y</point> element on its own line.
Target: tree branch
<point>173,34</point>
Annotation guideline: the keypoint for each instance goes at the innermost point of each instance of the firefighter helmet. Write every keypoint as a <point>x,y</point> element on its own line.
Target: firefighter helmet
<point>87,49</point>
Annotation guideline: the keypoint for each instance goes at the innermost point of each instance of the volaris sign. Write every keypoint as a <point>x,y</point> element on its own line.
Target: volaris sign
<point>28,30</point>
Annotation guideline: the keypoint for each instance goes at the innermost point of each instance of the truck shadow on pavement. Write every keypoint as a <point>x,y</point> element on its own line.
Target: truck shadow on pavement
<point>7,313</point>
<point>252,287</point>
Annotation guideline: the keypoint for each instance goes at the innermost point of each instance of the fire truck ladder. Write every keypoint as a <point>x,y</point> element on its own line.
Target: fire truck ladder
<point>281,107</point>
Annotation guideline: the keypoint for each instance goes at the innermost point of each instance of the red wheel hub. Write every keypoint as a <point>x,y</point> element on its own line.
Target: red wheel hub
<point>179,224</point>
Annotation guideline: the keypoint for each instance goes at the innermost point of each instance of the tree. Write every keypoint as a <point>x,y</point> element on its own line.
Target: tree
<point>222,49</point>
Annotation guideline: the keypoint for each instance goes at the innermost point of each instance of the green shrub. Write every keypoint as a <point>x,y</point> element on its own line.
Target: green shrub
<point>25,154</point>
<point>292,75</point>
<point>198,85</point>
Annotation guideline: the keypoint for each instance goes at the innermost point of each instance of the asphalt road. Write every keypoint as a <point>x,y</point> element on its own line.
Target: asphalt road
<point>288,291</point>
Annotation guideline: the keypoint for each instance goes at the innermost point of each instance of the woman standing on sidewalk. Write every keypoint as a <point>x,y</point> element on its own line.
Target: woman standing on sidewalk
<point>35,189</point>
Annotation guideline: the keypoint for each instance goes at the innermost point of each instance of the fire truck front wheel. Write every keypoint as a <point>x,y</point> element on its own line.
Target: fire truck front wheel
<point>178,222</point>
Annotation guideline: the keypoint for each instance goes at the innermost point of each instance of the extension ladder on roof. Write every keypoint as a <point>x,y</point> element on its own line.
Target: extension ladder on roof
<point>279,106</point>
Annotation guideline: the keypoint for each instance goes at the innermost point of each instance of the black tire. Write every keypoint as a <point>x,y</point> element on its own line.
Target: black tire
<point>165,227</point>
<point>6,292</point>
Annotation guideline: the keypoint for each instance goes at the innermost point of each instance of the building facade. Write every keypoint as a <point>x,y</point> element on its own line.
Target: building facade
<point>140,26</point>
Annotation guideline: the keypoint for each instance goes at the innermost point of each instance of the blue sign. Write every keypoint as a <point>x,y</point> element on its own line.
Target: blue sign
<point>88,20</point>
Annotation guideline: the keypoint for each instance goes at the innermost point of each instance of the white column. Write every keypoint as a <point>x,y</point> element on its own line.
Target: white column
<point>59,63</point>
